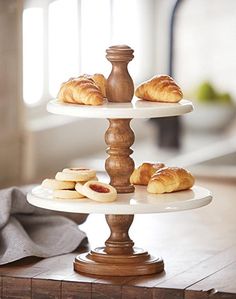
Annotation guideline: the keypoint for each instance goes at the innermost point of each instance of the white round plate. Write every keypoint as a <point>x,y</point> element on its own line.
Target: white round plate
<point>139,202</point>
<point>135,109</point>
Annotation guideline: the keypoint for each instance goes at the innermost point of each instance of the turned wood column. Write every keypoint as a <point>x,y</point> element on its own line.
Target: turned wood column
<point>119,166</point>
<point>119,257</point>
<point>119,136</point>
<point>119,241</point>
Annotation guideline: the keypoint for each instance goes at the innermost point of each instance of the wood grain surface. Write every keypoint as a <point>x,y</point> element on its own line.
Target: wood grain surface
<point>198,246</point>
<point>119,165</point>
<point>120,86</point>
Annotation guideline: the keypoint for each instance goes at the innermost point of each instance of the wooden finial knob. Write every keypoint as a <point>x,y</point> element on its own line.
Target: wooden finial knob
<point>120,86</point>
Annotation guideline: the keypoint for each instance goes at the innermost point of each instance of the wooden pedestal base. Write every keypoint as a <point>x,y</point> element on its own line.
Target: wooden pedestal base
<point>99,263</point>
<point>118,257</point>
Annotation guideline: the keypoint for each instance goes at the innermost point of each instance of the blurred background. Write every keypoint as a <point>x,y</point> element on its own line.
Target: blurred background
<point>45,42</point>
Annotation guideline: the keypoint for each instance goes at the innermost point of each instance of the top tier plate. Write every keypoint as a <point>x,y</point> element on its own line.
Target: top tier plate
<point>135,109</point>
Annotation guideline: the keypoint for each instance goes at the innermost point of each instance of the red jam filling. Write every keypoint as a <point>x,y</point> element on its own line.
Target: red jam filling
<point>99,188</point>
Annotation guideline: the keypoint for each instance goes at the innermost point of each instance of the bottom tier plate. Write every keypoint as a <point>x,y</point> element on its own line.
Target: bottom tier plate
<point>139,202</point>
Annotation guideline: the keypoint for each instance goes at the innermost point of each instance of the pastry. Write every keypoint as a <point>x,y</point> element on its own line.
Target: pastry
<point>100,81</point>
<point>160,88</point>
<point>143,173</point>
<point>170,179</point>
<point>67,194</point>
<point>97,191</point>
<point>76,174</point>
<point>81,90</point>
<point>58,185</point>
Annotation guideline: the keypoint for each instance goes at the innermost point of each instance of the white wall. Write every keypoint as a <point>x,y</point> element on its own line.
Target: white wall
<point>205,44</point>
<point>11,127</point>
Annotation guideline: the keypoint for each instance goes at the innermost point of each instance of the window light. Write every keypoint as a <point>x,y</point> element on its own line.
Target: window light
<point>32,55</point>
<point>63,43</point>
<point>95,35</point>
<point>127,29</point>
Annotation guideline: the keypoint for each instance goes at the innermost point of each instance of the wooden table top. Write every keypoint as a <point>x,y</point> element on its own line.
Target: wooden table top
<point>198,247</point>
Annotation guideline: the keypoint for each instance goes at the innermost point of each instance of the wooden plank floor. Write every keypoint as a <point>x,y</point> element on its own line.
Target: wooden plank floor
<point>198,247</point>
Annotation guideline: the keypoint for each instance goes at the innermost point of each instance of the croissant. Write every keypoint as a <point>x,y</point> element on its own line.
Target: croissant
<point>81,90</point>
<point>99,80</point>
<point>143,173</point>
<point>160,88</point>
<point>170,179</point>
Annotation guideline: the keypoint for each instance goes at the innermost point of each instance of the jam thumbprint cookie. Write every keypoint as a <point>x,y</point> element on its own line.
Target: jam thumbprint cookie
<point>97,191</point>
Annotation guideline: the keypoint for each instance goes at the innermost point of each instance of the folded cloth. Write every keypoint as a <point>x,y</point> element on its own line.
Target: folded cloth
<point>26,230</point>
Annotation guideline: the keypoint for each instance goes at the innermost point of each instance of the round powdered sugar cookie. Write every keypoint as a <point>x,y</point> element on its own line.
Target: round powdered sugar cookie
<point>85,173</point>
<point>98,191</point>
<point>67,194</point>
<point>76,174</point>
<point>63,176</point>
<point>57,185</point>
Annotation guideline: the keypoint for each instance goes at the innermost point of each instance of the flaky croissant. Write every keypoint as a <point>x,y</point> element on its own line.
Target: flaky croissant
<point>160,88</point>
<point>143,173</point>
<point>81,90</point>
<point>99,80</point>
<point>170,179</point>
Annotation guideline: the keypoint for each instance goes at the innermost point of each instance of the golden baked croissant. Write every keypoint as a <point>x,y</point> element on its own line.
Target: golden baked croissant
<point>99,80</point>
<point>160,88</point>
<point>170,179</point>
<point>143,173</point>
<point>80,90</point>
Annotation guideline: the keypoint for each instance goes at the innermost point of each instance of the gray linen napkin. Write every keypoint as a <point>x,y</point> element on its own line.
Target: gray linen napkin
<point>26,230</point>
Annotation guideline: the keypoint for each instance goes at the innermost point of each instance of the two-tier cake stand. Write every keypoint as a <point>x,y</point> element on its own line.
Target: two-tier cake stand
<point>119,257</point>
